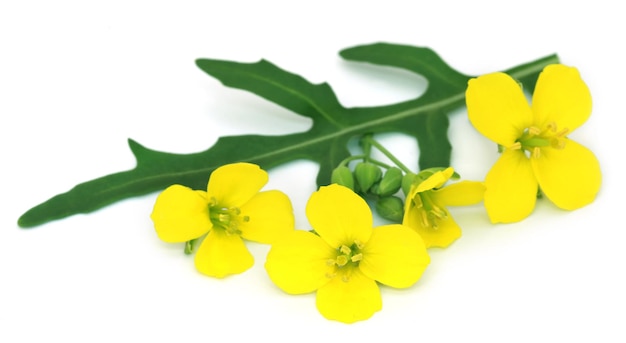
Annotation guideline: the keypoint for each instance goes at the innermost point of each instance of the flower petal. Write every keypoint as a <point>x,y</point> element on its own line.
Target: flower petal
<point>436,180</point>
<point>395,255</point>
<point>339,216</point>
<point>270,216</point>
<point>297,263</point>
<point>181,214</point>
<point>349,301</point>
<point>562,97</point>
<point>497,108</point>
<point>446,232</point>
<point>569,177</point>
<point>234,184</point>
<point>511,191</point>
<point>460,194</point>
<point>222,254</point>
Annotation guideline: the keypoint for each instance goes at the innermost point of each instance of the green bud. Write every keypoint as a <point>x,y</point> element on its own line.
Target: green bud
<point>342,176</point>
<point>374,188</point>
<point>391,182</point>
<point>407,182</point>
<point>367,175</point>
<point>391,208</point>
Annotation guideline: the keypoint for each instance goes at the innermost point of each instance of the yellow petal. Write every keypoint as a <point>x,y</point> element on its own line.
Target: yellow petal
<point>297,263</point>
<point>460,194</point>
<point>562,97</point>
<point>349,301</point>
<point>395,255</point>
<point>266,217</point>
<point>511,191</point>
<point>497,108</point>
<point>339,216</point>
<point>436,180</point>
<point>232,185</point>
<point>569,177</point>
<point>446,232</point>
<point>181,214</point>
<point>222,254</point>
<point>412,214</point>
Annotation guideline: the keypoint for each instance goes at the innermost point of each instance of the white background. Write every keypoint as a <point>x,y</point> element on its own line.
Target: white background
<point>79,78</point>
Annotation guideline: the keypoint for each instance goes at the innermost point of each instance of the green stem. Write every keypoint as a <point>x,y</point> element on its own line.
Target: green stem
<point>367,146</point>
<point>189,245</point>
<point>372,142</point>
<point>364,158</point>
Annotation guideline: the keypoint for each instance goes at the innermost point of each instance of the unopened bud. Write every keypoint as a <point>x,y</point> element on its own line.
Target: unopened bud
<point>407,181</point>
<point>342,176</point>
<point>367,175</point>
<point>390,183</point>
<point>390,208</point>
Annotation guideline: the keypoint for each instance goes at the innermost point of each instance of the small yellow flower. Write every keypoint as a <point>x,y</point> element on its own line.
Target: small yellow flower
<point>537,152</point>
<point>425,207</point>
<point>232,208</point>
<point>346,258</point>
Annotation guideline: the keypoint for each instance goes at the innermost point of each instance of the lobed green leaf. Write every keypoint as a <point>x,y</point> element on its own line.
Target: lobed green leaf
<point>425,118</point>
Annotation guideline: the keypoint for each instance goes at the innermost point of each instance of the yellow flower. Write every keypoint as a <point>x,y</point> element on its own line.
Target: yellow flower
<point>346,258</point>
<point>232,208</point>
<point>537,152</point>
<point>425,207</point>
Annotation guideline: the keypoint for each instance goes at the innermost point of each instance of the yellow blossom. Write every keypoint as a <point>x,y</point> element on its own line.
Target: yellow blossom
<point>537,151</point>
<point>345,257</point>
<point>425,207</point>
<point>230,209</point>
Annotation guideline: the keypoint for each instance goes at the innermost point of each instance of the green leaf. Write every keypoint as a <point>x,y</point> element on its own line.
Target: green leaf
<point>424,118</point>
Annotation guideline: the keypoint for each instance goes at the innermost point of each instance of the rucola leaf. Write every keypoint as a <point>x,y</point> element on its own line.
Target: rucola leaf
<point>424,118</point>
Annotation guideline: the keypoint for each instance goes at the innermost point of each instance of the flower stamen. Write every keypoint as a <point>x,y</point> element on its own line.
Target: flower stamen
<point>357,257</point>
<point>347,255</point>
<point>515,146</point>
<point>551,126</point>
<point>536,152</point>
<point>534,131</point>
<point>430,213</point>
<point>226,218</point>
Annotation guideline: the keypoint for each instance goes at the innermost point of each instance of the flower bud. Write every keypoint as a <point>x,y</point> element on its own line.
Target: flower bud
<point>407,182</point>
<point>390,208</point>
<point>367,174</point>
<point>390,183</point>
<point>342,175</point>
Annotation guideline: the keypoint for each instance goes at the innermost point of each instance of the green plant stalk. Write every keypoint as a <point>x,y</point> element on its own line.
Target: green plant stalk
<point>387,153</point>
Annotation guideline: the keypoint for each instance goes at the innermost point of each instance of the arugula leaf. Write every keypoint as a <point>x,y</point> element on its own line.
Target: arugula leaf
<point>424,118</point>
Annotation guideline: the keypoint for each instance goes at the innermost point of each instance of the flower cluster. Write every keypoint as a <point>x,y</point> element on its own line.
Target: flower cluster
<point>344,258</point>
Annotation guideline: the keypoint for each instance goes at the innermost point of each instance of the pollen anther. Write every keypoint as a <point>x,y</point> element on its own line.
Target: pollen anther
<point>533,130</point>
<point>536,152</point>
<point>515,146</point>
<point>356,257</point>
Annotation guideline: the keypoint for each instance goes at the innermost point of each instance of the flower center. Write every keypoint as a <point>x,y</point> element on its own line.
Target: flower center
<point>534,139</point>
<point>347,258</point>
<point>226,218</point>
<point>430,214</point>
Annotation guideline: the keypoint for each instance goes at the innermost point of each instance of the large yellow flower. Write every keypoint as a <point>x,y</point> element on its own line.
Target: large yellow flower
<point>537,152</point>
<point>232,208</point>
<point>425,207</point>
<point>345,259</point>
